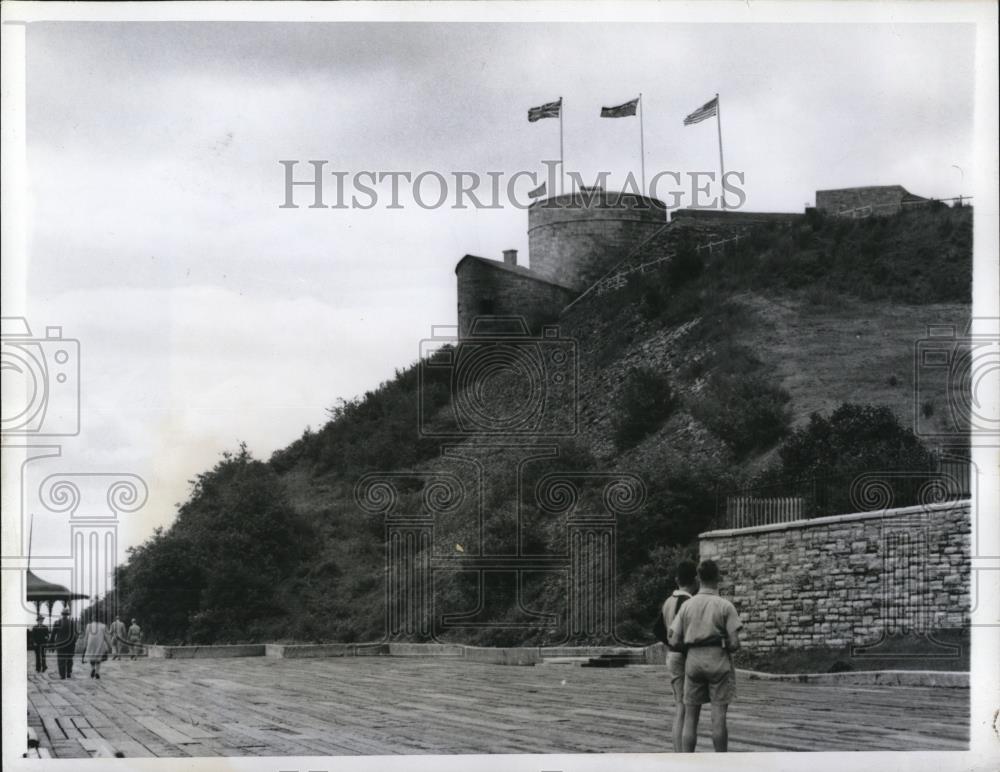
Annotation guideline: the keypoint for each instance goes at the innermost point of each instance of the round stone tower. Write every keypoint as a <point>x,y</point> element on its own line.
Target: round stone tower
<point>576,238</point>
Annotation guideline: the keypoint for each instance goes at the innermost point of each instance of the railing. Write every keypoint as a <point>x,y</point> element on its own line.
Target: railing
<point>609,279</point>
<point>746,511</point>
<point>710,246</point>
<point>949,480</point>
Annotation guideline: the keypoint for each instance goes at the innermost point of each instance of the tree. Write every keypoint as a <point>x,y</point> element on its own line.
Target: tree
<point>217,571</point>
<point>855,438</point>
<point>825,460</point>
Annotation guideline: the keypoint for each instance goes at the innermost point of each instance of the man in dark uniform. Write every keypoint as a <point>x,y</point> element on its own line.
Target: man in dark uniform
<point>64,642</point>
<point>40,637</point>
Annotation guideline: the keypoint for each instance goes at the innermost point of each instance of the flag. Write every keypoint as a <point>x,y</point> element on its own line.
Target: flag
<point>548,110</point>
<point>537,192</point>
<point>707,110</point>
<point>621,111</point>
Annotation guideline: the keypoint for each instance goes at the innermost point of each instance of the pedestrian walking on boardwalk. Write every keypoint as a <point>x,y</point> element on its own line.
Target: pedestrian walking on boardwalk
<point>119,643</point>
<point>97,646</point>
<point>686,578</point>
<point>39,638</point>
<point>64,642</point>
<point>707,626</point>
<point>134,638</point>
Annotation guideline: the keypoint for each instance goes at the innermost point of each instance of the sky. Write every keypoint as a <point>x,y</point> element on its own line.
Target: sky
<point>208,315</point>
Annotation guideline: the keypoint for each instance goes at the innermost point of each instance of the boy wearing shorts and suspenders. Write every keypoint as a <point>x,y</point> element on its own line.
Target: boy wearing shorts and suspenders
<point>707,628</point>
<point>687,586</point>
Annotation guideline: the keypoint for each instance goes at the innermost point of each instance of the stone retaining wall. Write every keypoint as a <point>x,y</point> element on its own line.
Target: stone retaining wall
<point>312,650</point>
<point>207,652</point>
<point>849,579</point>
<point>513,655</point>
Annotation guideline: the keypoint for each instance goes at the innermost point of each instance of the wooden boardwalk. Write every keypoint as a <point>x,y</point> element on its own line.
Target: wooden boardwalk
<point>379,705</point>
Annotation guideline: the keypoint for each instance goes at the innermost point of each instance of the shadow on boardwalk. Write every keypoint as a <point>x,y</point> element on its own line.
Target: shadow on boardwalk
<point>328,707</point>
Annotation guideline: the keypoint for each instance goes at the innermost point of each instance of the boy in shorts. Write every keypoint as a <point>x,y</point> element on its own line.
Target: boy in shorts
<point>686,578</point>
<point>707,627</point>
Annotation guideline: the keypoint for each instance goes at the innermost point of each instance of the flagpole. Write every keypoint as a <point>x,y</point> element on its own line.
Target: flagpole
<point>722,166</point>
<point>642,147</point>
<point>562,170</point>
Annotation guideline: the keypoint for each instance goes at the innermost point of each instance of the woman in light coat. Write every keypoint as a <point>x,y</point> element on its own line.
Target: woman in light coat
<point>97,646</point>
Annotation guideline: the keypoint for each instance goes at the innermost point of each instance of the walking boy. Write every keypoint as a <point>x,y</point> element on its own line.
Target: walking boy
<point>118,638</point>
<point>707,626</point>
<point>687,586</point>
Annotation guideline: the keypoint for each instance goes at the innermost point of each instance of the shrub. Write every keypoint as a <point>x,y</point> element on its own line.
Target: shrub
<point>744,410</point>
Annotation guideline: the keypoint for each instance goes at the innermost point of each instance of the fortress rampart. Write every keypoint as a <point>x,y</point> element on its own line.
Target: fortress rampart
<point>589,242</point>
<point>866,201</point>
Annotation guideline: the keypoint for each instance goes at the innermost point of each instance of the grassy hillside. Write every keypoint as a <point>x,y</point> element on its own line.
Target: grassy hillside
<point>691,379</point>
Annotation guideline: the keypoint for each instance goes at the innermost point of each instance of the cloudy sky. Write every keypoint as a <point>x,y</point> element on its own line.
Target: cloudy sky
<point>208,315</point>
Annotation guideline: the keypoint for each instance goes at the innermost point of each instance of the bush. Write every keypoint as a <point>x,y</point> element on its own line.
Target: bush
<point>822,461</point>
<point>647,400</point>
<point>745,411</point>
<point>922,255</point>
<point>855,438</point>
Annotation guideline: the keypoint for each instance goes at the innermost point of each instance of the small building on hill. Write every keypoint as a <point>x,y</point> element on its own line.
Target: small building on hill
<point>495,288</point>
<point>573,241</point>
<point>866,201</point>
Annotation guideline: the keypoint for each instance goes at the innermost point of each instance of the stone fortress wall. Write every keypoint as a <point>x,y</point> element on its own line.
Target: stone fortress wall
<point>847,580</point>
<point>866,201</point>
<point>493,288</point>
<point>578,240</point>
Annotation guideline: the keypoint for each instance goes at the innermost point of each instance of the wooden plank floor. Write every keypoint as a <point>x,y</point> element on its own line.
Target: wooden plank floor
<point>377,705</point>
